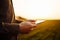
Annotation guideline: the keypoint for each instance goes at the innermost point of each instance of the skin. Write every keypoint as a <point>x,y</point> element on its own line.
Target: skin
<point>25,27</point>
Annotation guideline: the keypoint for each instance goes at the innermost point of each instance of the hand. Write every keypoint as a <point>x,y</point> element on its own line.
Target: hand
<point>25,27</point>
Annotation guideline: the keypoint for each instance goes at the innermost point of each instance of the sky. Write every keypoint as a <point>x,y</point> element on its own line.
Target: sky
<point>37,9</point>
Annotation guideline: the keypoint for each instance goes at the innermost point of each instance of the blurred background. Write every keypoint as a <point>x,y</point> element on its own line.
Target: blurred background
<point>46,30</point>
<point>37,9</point>
<point>47,10</point>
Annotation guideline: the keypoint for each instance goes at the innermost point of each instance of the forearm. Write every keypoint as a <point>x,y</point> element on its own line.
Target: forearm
<point>10,28</point>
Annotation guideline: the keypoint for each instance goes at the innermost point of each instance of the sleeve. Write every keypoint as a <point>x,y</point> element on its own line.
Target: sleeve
<point>9,28</point>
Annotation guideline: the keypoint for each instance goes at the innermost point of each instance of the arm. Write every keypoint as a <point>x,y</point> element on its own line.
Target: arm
<point>9,28</point>
<point>24,27</point>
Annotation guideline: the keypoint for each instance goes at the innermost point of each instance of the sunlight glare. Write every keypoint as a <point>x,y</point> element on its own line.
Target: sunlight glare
<point>37,9</point>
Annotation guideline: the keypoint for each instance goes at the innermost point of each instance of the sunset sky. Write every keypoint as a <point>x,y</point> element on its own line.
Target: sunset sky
<point>37,9</point>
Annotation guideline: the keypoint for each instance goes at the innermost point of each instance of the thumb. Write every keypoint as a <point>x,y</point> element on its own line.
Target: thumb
<point>32,24</point>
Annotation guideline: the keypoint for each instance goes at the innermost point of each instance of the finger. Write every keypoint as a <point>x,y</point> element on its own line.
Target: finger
<point>31,20</point>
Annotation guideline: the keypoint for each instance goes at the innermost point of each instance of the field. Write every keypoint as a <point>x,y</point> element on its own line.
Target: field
<point>48,30</point>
